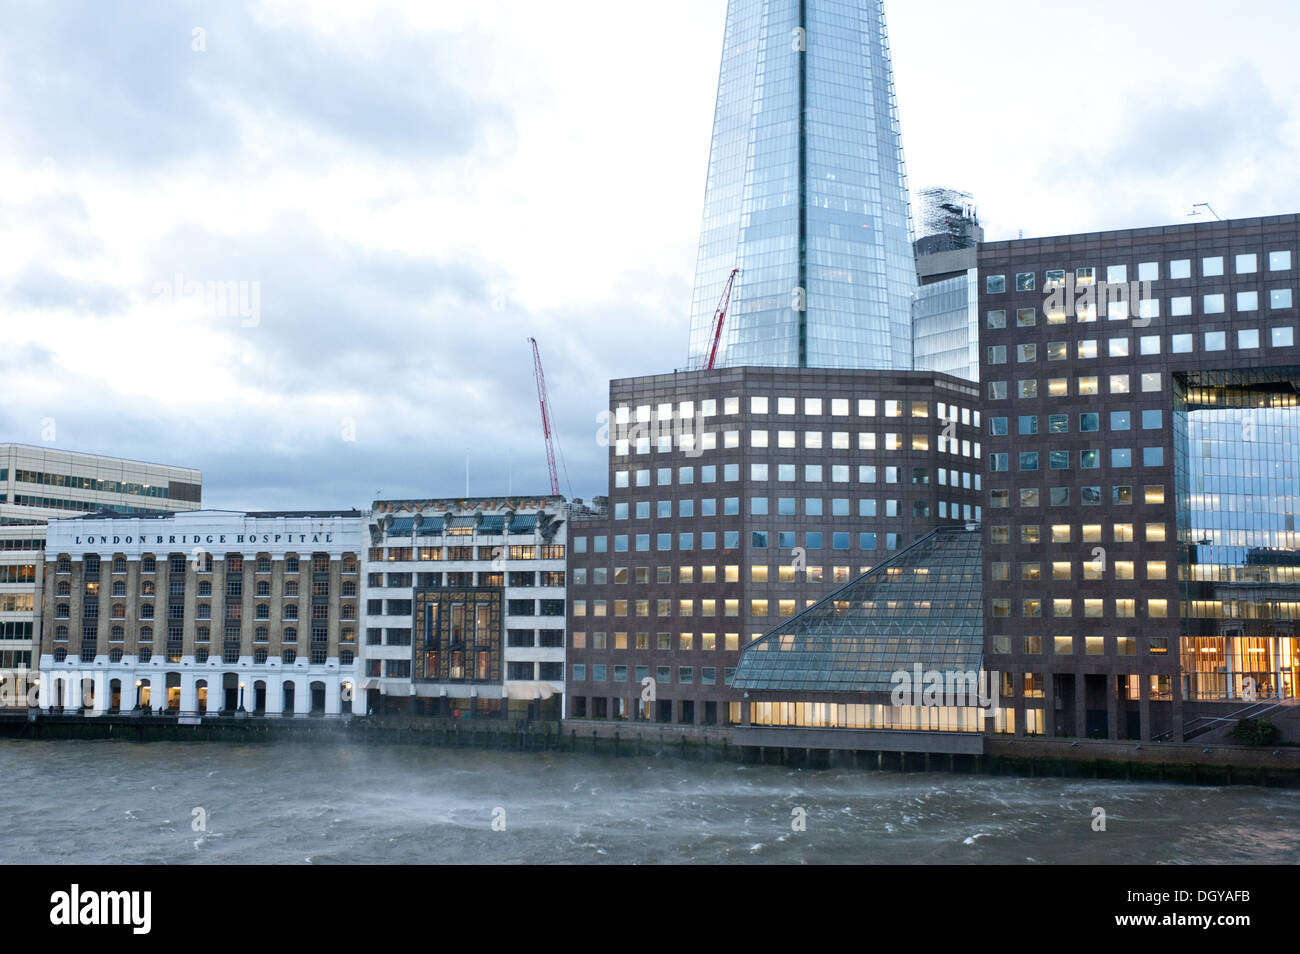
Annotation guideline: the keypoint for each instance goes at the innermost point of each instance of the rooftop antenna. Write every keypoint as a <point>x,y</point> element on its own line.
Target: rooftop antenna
<point>1205,205</point>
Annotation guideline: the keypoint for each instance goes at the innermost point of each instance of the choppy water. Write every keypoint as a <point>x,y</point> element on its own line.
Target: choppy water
<point>97,802</point>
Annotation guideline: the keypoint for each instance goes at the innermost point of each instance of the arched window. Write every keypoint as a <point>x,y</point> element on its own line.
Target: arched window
<point>119,564</point>
<point>65,564</point>
<point>61,632</point>
<point>346,657</point>
<point>119,587</point>
<point>146,653</point>
<point>348,611</point>
<point>204,610</point>
<point>201,654</point>
<point>146,588</point>
<point>289,656</point>
<point>65,588</point>
<point>290,587</point>
<point>202,634</point>
<point>291,563</point>
<point>349,563</point>
<point>148,564</point>
<point>263,588</point>
<point>117,634</point>
<point>146,611</point>
<point>263,611</point>
<point>60,654</point>
<point>205,588</point>
<point>61,611</point>
<point>259,656</point>
<point>146,634</point>
<point>290,610</point>
<point>290,635</point>
<point>115,654</point>
<point>261,634</point>
<point>263,564</point>
<point>349,587</point>
<point>119,611</point>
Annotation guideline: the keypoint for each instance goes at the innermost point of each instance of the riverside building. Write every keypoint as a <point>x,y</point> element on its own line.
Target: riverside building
<point>202,613</point>
<point>41,483</point>
<point>739,497</point>
<point>465,607</point>
<point>1142,418</point>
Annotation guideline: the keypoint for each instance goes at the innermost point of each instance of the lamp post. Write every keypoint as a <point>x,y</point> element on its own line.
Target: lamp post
<point>241,697</point>
<point>138,684</point>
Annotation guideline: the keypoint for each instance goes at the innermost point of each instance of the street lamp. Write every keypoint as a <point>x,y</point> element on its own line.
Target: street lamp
<point>241,696</point>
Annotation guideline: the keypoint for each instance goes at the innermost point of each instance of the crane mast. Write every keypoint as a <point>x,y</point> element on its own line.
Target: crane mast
<point>719,317</point>
<point>544,402</point>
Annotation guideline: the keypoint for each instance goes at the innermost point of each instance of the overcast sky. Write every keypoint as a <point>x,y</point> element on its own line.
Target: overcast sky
<point>412,189</point>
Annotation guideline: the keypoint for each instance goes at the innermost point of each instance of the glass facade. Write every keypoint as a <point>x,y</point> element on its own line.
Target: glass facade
<point>806,193</point>
<point>924,607</point>
<point>945,327</point>
<point>1238,491</point>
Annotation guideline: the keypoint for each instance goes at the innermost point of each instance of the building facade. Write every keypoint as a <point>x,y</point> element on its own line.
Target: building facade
<point>1142,424</point>
<point>202,613</point>
<point>945,312</point>
<point>41,483</point>
<point>739,497</point>
<point>465,607</point>
<point>806,193</point>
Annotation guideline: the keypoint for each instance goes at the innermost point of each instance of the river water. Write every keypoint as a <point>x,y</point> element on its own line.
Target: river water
<point>110,802</point>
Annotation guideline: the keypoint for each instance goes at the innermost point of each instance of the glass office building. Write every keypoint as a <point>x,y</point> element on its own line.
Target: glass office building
<point>806,193</point>
<point>1238,487</point>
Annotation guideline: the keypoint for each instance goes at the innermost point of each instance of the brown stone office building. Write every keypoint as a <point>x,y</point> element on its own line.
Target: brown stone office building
<point>737,498</point>
<point>1141,418</point>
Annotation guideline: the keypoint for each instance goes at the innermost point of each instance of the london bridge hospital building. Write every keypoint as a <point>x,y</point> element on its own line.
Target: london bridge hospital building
<point>203,612</point>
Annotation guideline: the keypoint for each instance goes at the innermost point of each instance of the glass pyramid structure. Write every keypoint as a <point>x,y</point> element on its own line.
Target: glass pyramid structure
<point>806,193</point>
<point>924,606</point>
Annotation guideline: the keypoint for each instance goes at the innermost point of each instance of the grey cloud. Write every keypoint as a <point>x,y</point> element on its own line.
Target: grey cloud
<point>88,82</point>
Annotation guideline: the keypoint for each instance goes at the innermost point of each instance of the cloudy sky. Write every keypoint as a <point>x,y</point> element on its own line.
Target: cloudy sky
<point>400,194</point>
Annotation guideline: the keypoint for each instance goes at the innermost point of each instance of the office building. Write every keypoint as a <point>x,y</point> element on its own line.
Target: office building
<point>945,323</point>
<point>1142,421</point>
<point>40,483</point>
<point>806,193</point>
<point>739,497</point>
<point>202,613</point>
<point>465,606</point>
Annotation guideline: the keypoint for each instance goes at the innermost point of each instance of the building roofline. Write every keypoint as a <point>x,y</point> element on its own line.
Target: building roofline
<point>107,457</point>
<point>1218,225</point>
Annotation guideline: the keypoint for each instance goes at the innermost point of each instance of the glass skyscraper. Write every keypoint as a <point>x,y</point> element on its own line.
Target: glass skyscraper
<point>806,193</point>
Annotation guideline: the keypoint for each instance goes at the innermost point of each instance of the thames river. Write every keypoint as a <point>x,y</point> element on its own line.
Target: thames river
<point>213,803</point>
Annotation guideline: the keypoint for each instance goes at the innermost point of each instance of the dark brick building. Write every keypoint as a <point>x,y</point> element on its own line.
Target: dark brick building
<point>1140,431</point>
<point>739,497</point>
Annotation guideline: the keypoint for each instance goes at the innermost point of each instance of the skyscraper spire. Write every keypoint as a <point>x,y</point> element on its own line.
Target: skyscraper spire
<point>806,192</point>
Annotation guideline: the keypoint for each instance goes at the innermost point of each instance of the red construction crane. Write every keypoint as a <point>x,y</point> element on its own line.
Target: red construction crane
<point>719,317</point>
<point>545,403</point>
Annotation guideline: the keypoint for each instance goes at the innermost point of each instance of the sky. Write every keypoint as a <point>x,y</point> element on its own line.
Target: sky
<point>301,244</point>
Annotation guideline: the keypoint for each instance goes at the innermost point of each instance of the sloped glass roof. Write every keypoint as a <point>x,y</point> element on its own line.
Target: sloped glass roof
<point>925,605</point>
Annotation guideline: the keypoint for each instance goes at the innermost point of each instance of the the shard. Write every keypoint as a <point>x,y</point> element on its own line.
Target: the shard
<point>806,193</point>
